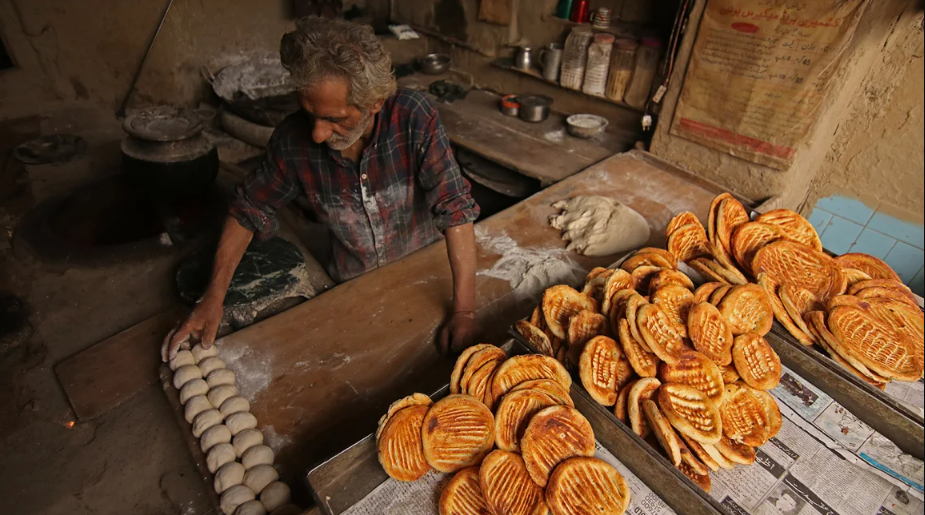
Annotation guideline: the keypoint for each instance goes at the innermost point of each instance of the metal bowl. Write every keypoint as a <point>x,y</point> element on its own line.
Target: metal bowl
<point>435,64</point>
<point>586,125</point>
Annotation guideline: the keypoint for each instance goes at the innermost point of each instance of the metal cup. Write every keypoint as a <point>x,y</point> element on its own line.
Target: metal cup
<point>551,61</point>
<point>524,58</point>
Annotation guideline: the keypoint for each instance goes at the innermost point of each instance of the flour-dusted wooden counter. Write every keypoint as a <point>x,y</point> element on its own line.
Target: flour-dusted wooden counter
<point>321,374</point>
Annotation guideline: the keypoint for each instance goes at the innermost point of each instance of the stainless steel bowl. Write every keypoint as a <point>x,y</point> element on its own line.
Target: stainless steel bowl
<point>435,64</point>
<point>586,125</point>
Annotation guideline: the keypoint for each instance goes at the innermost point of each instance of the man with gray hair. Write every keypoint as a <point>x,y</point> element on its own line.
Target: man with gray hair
<point>370,161</point>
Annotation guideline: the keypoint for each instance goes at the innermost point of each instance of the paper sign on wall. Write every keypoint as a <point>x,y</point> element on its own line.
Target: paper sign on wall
<point>758,74</point>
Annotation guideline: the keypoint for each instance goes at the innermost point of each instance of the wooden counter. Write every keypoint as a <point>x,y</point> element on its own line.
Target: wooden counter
<point>320,375</point>
<point>543,151</point>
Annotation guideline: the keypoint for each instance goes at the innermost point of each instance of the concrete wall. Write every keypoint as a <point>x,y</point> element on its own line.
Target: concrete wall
<point>83,50</point>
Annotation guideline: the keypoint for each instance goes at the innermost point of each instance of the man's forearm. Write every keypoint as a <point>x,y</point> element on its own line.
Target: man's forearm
<point>231,247</point>
<point>460,248</point>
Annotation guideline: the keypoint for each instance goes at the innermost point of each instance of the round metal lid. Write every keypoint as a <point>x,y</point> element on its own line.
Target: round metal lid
<point>163,124</point>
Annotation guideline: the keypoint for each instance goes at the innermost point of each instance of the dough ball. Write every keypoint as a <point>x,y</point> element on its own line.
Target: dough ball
<point>192,389</point>
<point>599,226</point>
<point>246,439</point>
<point>257,455</point>
<point>220,377</point>
<point>251,508</point>
<point>213,436</point>
<point>287,509</point>
<point>240,421</point>
<point>218,395</point>
<point>195,406</point>
<point>228,475</point>
<point>205,420</point>
<point>200,354</point>
<point>183,358</point>
<point>234,405</point>
<point>185,374</point>
<point>219,455</point>
<point>275,495</point>
<point>234,497</point>
<point>259,477</point>
<point>208,365</point>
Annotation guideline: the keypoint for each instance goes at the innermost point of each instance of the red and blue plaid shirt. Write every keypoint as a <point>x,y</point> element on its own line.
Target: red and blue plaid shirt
<point>403,193</point>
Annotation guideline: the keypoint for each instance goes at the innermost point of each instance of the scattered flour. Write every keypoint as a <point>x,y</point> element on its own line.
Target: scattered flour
<point>254,372</point>
<point>274,440</point>
<point>529,271</point>
<point>555,135</point>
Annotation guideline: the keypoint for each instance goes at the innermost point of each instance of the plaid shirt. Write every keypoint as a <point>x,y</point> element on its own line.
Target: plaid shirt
<point>403,193</point>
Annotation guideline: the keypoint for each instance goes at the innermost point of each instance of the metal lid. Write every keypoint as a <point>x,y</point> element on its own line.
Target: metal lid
<point>163,124</point>
<point>534,100</point>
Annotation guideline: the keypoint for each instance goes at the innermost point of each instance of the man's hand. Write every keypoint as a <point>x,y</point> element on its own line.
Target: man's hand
<point>458,333</point>
<point>202,324</point>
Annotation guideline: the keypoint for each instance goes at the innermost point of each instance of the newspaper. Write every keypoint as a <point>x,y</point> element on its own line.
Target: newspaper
<point>910,394</point>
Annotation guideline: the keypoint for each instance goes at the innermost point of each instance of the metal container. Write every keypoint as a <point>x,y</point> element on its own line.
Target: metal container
<point>524,58</point>
<point>534,108</point>
<point>586,125</point>
<point>350,476</point>
<point>551,61</point>
<point>435,64</point>
<point>510,105</point>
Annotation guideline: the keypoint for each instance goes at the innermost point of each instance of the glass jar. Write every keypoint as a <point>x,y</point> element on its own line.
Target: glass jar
<point>575,57</point>
<point>598,63</point>
<point>622,62</point>
<point>647,56</point>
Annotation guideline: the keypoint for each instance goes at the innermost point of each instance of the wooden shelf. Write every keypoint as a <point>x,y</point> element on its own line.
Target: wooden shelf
<point>505,64</point>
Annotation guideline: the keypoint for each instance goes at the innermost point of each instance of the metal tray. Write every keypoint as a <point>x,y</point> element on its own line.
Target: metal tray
<point>889,417</point>
<point>350,476</point>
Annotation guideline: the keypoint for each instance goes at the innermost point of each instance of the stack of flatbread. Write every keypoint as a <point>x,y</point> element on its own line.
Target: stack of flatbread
<point>511,436</point>
<point>853,306</point>
<point>688,367</point>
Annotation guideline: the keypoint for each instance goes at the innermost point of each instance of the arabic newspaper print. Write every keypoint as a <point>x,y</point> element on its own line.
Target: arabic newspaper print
<point>758,74</point>
<point>399,498</point>
<point>643,501</point>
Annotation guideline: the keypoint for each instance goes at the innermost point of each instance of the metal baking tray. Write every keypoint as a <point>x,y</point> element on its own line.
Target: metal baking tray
<point>896,421</point>
<point>350,476</point>
<point>889,417</point>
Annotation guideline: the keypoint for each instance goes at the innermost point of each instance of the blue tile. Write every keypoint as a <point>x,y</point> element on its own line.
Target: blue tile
<point>840,234</point>
<point>849,208</point>
<point>913,234</point>
<point>819,218</point>
<point>905,260</point>
<point>918,283</point>
<point>873,243</point>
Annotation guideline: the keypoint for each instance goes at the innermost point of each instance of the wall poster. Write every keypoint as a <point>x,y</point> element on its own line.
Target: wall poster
<point>758,74</point>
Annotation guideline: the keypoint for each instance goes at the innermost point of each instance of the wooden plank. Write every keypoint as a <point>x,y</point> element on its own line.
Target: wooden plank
<point>320,375</point>
<point>114,370</point>
<point>542,150</point>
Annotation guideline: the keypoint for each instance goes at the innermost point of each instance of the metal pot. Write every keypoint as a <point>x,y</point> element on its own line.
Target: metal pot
<point>534,108</point>
<point>435,64</point>
<point>166,155</point>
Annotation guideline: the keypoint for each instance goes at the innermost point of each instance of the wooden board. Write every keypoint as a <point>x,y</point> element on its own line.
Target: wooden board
<point>320,375</point>
<point>542,150</point>
<point>114,370</point>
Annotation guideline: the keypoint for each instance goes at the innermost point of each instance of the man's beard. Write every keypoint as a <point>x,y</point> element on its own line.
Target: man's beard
<point>343,142</point>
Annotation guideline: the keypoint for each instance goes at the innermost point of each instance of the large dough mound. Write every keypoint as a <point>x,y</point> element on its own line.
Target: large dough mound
<point>599,226</point>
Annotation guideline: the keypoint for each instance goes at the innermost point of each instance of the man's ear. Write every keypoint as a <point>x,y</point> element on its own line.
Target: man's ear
<point>377,106</point>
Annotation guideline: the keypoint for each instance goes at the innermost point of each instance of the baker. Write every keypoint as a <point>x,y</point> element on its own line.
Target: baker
<point>369,160</point>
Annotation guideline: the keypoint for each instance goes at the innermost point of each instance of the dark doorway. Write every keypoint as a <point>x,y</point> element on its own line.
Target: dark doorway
<point>6,61</point>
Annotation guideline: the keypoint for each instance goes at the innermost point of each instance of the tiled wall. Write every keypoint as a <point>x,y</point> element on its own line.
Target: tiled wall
<point>849,225</point>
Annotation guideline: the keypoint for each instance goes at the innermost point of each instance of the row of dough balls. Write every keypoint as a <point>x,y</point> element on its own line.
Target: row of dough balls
<point>228,435</point>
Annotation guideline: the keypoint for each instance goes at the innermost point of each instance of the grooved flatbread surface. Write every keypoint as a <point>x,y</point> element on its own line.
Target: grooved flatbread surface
<point>744,417</point>
<point>400,447</point>
<point>749,237</point>
<point>688,242</point>
<point>794,226</point>
<point>507,487</point>
<point>680,220</point>
<point>458,432</point>
<point>644,363</point>
<point>709,333</point>
<point>691,412</point>
<point>598,369</point>
<point>698,371</point>
<point>801,266</point>
<point>559,304</point>
<point>460,366</point>
<point>525,368</point>
<point>676,301</point>
<point>587,486</point>
<point>660,333</point>
<point>584,326</point>
<point>515,411</point>
<point>554,435</point>
<point>873,267</point>
<point>463,495</point>
<point>756,362</point>
<point>881,349</point>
